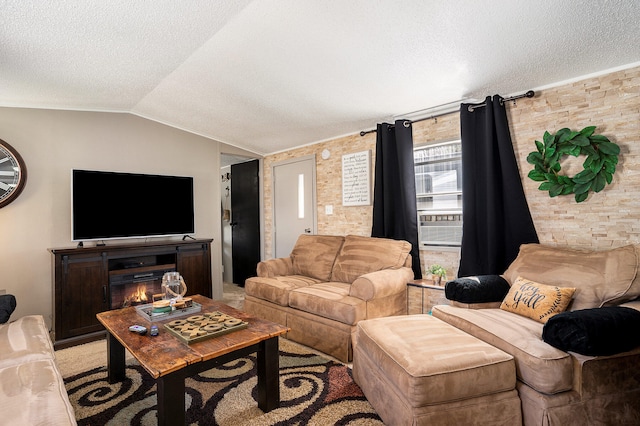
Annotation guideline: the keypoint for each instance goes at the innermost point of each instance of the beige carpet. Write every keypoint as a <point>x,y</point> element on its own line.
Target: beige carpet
<point>314,391</point>
<point>233,295</point>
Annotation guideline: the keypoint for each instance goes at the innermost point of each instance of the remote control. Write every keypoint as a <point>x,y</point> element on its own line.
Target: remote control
<point>138,329</point>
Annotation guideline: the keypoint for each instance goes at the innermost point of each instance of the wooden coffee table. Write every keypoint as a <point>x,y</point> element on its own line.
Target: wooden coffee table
<point>170,361</point>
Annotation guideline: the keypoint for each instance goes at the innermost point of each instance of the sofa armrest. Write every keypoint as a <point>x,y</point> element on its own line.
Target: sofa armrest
<point>378,284</point>
<point>275,267</point>
<point>477,290</point>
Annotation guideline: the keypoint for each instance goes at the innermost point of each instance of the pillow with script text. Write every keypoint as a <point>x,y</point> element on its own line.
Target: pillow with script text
<point>536,301</point>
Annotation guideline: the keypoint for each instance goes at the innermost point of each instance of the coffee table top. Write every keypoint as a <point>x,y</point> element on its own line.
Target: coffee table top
<point>165,353</point>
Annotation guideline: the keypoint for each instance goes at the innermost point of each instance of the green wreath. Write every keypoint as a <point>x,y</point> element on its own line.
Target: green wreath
<point>599,166</point>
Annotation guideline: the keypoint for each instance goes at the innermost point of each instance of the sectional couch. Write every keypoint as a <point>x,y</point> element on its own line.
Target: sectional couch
<point>560,329</point>
<point>328,284</point>
<point>581,366</point>
<point>32,391</point>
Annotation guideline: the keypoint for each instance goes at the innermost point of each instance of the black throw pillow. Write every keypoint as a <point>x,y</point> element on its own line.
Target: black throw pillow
<point>479,289</point>
<point>7,306</point>
<point>598,331</point>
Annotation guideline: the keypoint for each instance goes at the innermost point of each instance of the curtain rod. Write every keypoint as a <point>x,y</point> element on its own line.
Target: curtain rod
<point>471,108</point>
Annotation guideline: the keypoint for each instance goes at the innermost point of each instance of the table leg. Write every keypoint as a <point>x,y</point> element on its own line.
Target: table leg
<point>268,375</point>
<point>115,360</point>
<point>171,394</point>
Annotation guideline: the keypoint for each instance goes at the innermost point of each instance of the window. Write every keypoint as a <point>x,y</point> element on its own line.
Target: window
<point>438,169</point>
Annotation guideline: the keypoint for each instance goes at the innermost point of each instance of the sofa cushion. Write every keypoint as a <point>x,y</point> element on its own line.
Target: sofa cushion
<point>598,331</point>
<point>330,300</point>
<point>313,255</point>
<point>634,304</point>
<point>276,289</point>
<point>24,340</point>
<point>600,277</point>
<point>538,364</point>
<point>361,255</point>
<point>634,289</point>
<point>536,301</point>
<point>33,393</point>
<point>478,289</point>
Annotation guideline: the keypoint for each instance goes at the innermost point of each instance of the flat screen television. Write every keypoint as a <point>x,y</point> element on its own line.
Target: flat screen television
<point>111,205</point>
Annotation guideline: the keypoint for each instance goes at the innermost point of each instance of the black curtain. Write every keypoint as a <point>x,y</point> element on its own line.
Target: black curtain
<point>395,213</point>
<point>495,214</point>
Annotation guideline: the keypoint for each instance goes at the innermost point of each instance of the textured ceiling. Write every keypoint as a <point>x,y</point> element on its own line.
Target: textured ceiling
<point>268,75</point>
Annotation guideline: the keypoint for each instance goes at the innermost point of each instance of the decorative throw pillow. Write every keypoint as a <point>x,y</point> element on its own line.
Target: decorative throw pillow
<point>593,332</point>
<point>7,306</point>
<point>478,289</point>
<point>536,301</point>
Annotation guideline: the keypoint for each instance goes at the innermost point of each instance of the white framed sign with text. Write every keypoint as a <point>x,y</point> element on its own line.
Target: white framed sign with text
<point>356,179</point>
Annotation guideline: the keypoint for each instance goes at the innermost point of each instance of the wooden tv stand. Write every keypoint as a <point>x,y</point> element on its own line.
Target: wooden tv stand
<point>81,278</point>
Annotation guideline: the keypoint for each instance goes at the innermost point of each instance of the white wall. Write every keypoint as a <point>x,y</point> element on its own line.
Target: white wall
<point>227,251</point>
<point>54,142</point>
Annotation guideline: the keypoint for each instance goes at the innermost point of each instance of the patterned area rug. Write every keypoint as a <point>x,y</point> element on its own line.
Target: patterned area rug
<point>313,391</point>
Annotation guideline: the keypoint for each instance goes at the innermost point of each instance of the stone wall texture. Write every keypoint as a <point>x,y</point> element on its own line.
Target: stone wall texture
<point>608,219</point>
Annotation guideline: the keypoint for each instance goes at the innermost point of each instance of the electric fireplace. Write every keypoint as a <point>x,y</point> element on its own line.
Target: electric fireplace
<point>130,288</point>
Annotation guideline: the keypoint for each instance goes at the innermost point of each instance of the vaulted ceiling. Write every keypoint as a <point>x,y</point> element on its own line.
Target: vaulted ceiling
<point>269,75</point>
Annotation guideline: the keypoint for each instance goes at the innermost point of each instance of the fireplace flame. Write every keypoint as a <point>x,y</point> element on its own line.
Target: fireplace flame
<point>137,297</point>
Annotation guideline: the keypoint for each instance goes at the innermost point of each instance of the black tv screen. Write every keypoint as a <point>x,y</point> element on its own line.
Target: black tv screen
<point>109,205</point>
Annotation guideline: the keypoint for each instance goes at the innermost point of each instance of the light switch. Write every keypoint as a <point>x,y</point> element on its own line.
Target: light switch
<point>328,209</point>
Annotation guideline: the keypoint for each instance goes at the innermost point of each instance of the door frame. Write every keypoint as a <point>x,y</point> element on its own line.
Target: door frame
<point>314,210</point>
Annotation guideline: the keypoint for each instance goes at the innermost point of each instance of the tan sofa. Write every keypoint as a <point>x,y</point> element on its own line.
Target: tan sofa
<point>560,387</point>
<point>32,391</point>
<point>328,284</point>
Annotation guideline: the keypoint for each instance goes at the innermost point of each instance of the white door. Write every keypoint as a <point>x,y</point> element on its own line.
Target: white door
<point>294,202</point>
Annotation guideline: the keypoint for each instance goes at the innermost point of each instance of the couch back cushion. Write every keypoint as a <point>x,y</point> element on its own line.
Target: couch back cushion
<point>361,255</point>
<point>599,277</point>
<point>634,290</point>
<point>313,255</point>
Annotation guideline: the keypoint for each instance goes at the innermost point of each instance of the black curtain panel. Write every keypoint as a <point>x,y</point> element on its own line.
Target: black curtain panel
<point>395,213</point>
<point>495,214</point>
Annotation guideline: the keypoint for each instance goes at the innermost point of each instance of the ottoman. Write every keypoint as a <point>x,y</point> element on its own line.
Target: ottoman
<point>419,370</point>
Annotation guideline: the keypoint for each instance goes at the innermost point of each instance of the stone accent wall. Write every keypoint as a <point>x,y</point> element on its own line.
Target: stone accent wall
<point>610,218</point>
<point>612,103</point>
<point>354,220</point>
